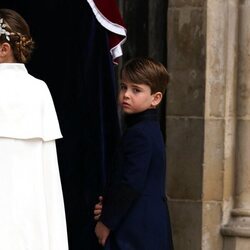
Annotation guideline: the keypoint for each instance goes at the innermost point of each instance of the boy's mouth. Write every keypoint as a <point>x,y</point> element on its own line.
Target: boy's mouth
<point>125,104</point>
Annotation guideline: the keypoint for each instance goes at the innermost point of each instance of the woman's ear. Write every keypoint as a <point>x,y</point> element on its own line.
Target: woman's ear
<point>5,51</point>
<point>157,97</point>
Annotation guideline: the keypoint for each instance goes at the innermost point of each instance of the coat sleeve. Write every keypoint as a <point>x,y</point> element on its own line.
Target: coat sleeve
<point>136,151</point>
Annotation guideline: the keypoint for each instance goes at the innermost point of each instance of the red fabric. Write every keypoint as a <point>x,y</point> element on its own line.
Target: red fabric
<point>111,11</point>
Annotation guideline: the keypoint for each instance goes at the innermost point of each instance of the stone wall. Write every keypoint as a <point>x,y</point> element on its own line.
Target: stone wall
<point>185,120</point>
<point>208,123</point>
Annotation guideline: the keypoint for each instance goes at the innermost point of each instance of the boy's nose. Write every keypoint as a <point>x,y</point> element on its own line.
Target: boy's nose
<point>126,94</point>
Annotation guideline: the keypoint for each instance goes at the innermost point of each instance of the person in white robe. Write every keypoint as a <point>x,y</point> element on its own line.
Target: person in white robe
<point>32,214</point>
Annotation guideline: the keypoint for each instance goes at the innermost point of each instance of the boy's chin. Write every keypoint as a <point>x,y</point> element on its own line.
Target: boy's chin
<point>128,112</point>
<point>131,112</point>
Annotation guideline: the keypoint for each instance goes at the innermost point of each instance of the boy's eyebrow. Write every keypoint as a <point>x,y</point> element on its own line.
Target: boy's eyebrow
<point>137,85</point>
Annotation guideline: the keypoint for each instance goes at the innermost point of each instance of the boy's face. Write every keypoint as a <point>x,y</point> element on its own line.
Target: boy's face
<point>135,98</point>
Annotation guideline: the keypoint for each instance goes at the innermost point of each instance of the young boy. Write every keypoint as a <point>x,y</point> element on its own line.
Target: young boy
<point>134,214</point>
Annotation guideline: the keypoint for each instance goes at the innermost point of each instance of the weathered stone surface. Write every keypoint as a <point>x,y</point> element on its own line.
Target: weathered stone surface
<point>186,93</point>
<point>243,165</point>
<point>213,160</point>
<point>203,38</point>
<point>185,3</point>
<point>186,40</point>
<point>211,219</point>
<point>186,224</point>
<point>244,61</point>
<point>232,243</point>
<point>184,157</point>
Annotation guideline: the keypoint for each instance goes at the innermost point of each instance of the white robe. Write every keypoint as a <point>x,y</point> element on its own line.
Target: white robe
<point>32,215</point>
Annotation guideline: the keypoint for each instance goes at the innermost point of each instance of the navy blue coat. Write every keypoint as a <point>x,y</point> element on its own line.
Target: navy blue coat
<point>134,206</point>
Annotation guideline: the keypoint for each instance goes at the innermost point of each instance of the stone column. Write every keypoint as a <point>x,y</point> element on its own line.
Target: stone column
<point>237,231</point>
<point>220,118</point>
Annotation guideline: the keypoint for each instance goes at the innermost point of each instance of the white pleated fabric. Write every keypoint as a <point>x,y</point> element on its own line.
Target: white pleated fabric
<point>32,215</point>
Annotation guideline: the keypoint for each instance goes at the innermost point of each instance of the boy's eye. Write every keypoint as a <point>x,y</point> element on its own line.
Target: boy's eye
<point>123,86</point>
<point>136,90</point>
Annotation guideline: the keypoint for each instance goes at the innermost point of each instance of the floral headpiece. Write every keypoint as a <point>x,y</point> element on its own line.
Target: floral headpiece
<point>3,31</point>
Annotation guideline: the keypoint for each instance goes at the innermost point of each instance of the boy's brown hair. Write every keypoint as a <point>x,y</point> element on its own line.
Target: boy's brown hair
<point>146,71</point>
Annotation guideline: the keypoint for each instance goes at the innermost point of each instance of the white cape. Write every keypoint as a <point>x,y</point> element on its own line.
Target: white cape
<point>32,215</point>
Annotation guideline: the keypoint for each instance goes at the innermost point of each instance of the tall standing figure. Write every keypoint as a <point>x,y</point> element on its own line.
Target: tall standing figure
<point>32,215</point>
<point>134,213</point>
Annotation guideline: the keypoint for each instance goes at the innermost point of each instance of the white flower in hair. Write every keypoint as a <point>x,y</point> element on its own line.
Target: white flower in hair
<point>3,31</point>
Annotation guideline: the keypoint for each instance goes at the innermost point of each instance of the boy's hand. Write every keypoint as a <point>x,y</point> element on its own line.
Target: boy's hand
<point>98,209</point>
<point>102,232</point>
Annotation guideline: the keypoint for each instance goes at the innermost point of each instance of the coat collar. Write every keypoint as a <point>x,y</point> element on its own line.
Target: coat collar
<point>13,66</point>
<point>147,115</point>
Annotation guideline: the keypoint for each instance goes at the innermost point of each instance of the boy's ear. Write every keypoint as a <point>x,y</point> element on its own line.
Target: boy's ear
<point>157,97</point>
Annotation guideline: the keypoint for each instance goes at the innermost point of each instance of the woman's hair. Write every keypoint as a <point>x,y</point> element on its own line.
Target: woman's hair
<point>146,71</point>
<point>15,31</point>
